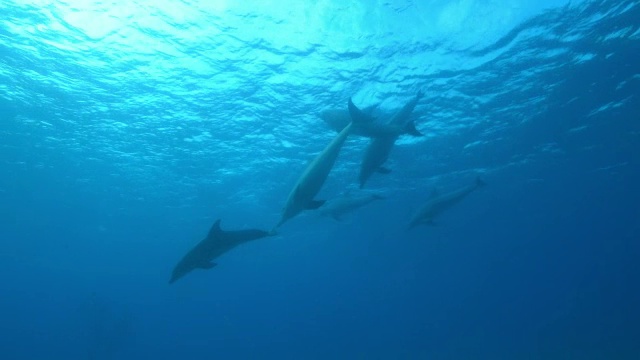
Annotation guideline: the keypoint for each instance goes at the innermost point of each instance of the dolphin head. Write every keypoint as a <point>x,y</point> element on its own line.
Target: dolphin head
<point>185,267</point>
<point>178,272</point>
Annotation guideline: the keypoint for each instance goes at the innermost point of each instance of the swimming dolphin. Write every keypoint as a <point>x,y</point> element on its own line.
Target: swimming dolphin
<point>379,148</point>
<point>309,184</point>
<point>338,119</point>
<point>439,203</point>
<point>215,244</point>
<point>369,126</point>
<point>341,205</point>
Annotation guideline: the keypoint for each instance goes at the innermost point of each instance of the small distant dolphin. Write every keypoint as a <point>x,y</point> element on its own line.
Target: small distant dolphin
<point>380,147</point>
<point>309,184</point>
<point>338,119</point>
<point>342,205</point>
<point>439,203</point>
<point>215,244</point>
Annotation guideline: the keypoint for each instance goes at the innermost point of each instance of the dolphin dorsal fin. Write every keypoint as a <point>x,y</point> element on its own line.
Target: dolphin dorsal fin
<point>215,228</point>
<point>410,128</point>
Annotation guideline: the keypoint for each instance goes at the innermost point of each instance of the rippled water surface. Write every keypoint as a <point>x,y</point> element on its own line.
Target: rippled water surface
<point>127,128</point>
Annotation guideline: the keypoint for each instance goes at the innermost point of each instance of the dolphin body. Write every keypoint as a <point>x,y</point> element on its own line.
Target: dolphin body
<point>439,203</point>
<point>338,119</point>
<point>380,146</point>
<point>339,206</point>
<point>215,244</point>
<point>309,184</point>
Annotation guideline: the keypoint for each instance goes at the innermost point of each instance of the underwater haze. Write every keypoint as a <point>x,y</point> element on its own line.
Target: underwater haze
<point>127,128</point>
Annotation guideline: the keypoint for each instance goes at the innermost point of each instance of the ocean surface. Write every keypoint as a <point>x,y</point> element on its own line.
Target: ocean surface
<point>127,128</point>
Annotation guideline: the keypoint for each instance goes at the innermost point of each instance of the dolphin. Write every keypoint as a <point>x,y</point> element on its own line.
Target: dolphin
<point>380,147</point>
<point>439,203</point>
<point>341,205</point>
<point>338,119</point>
<point>309,184</point>
<point>216,243</point>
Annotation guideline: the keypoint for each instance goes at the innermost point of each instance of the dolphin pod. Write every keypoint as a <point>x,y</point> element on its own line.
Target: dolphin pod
<point>439,203</point>
<point>302,196</point>
<point>215,244</point>
<point>338,119</point>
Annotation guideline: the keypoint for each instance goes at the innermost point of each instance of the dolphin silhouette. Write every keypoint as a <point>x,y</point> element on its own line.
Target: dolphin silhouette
<point>215,244</point>
<point>309,184</point>
<point>339,206</point>
<point>379,147</point>
<point>439,203</point>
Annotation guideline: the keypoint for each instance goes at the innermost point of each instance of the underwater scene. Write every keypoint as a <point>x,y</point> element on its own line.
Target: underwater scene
<point>330,179</point>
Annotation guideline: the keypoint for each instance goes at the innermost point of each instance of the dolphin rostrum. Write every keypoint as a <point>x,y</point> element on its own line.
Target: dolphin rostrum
<point>216,243</point>
<point>439,203</point>
<point>347,203</point>
<point>309,184</point>
<point>379,148</point>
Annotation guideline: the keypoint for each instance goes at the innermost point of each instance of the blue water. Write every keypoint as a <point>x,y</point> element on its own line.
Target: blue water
<point>127,128</point>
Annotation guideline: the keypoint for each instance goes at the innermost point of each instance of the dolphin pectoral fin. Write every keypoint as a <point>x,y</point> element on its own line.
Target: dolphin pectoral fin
<point>314,204</point>
<point>410,129</point>
<point>208,265</point>
<point>384,170</point>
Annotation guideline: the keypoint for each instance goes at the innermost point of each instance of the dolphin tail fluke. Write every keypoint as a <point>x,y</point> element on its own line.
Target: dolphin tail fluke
<point>358,116</point>
<point>480,182</point>
<point>410,129</point>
